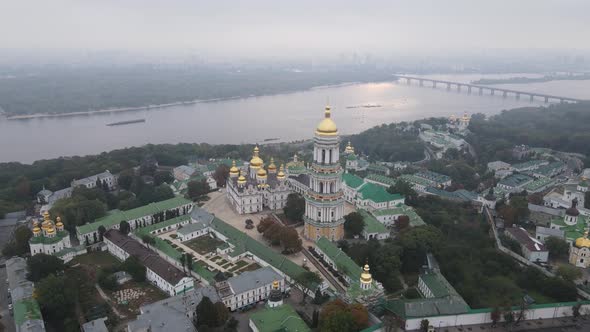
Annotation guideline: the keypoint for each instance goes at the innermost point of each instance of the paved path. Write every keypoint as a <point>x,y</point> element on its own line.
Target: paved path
<point>327,275</point>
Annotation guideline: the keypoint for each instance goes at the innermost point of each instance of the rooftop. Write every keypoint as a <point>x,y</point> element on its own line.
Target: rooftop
<point>515,180</point>
<point>116,216</point>
<point>433,176</point>
<point>97,325</point>
<point>343,263</point>
<point>250,280</point>
<point>282,318</point>
<point>415,219</point>
<point>377,193</point>
<point>151,260</point>
<point>523,237</point>
<point>352,180</point>
<point>385,180</point>
<point>529,164</point>
<point>372,225</point>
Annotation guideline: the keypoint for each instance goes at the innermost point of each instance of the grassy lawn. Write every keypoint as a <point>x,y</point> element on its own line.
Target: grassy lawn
<point>96,259</point>
<point>239,265</point>
<point>204,244</point>
<point>251,267</point>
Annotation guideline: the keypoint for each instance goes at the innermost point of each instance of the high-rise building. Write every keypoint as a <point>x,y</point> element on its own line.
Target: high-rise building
<point>324,201</point>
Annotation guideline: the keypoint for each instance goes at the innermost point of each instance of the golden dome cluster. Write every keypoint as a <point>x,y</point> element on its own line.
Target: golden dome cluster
<point>272,167</point>
<point>261,173</point>
<point>241,179</point>
<point>349,149</point>
<point>327,127</point>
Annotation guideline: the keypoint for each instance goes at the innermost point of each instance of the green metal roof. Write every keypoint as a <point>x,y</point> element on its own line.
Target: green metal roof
<point>372,225</point>
<point>414,179</point>
<point>571,232</point>
<point>49,240</point>
<point>26,309</point>
<point>377,193</point>
<point>415,219</point>
<point>242,242</point>
<point>436,286</point>
<point>116,217</point>
<point>515,180</point>
<point>281,318</point>
<point>343,263</point>
<point>352,180</point>
<point>386,180</point>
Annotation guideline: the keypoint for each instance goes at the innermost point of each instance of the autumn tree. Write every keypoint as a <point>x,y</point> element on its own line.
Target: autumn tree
<point>197,189</point>
<point>290,240</point>
<point>338,316</point>
<point>221,174</point>
<point>265,223</point>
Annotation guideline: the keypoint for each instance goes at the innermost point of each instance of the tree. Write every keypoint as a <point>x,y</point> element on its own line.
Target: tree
<point>353,224</point>
<point>148,240</point>
<point>126,179</point>
<point>495,315</point>
<point>197,189</point>
<point>338,316</point>
<point>402,222</point>
<point>55,297</point>
<point>295,207</point>
<point>307,281</point>
<point>265,223</point>
<point>101,231</point>
<point>221,313</point>
<point>403,188</point>
<point>135,268</point>
<point>42,265</point>
<point>569,272</point>
<point>189,262</point>
<point>183,261</point>
<point>424,324</point>
<point>209,314</point>
<point>19,245</point>
<point>273,233</point>
<point>508,316</point>
<point>162,177</point>
<point>557,247</point>
<point>124,227</point>
<point>390,323</point>
<point>221,174</point>
<point>290,240</point>
<point>107,280</point>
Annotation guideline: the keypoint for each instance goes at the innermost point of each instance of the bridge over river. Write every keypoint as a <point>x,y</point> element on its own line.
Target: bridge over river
<point>485,89</point>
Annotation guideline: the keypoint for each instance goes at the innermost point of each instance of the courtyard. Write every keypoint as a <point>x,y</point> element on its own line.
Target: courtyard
<point>204,252</point>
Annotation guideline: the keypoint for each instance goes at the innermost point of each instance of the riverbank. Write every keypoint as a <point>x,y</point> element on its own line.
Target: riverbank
<point>159,106</point>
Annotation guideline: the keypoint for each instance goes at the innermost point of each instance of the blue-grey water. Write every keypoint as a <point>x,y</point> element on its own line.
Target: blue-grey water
<point>287,116</point>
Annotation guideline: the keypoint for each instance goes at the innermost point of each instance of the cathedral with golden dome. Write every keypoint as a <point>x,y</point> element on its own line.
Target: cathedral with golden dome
<point>50,238</point>
<point>257,188</point>
<point>580,252</point>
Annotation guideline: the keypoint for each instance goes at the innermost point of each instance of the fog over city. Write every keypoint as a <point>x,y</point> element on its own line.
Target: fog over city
<point>266,28</point>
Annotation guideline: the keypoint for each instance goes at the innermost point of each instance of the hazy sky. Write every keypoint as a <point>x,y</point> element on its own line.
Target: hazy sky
<point>294,27</point>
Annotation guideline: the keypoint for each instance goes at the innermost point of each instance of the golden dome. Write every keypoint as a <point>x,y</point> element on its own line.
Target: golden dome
<point>349,148</point>
<point>281,174</point>
<point>256,161</point>
<point>242,179</point>
<point>261,173</point>
<point>36,230</point>
<point>366,276</point>
<point>233,170</point>
<point>51,230</point>
<point>327,127</point>
<point>582,242</point>
<point>272,166</point>
<point>275,284</point>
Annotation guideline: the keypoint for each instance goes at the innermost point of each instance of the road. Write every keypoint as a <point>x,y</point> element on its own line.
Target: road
<point>7,320</point>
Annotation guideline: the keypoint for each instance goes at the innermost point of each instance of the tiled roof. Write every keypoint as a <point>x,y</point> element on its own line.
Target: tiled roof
<point>525,239</point>
<point>343,263</point>
<point>150,259</point>
<point>433,176</point>
<point>251,280</point>
<point>415,219</point>
<point>515,180</point>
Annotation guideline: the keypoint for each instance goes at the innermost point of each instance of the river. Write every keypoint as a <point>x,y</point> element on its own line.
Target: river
<point>289,117</point>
